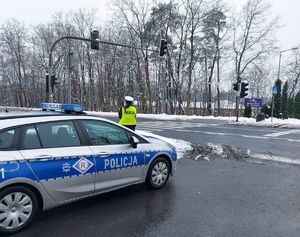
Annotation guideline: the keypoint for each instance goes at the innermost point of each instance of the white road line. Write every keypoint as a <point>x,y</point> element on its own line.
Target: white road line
<point>246,136</point>
<point>277,134</point>
<point>147,128</point>
<point>276,158</point>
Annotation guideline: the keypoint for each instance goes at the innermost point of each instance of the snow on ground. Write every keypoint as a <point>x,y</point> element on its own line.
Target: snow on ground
<point>280,123</point>
<point>211,151</point>
<point>181,146</point>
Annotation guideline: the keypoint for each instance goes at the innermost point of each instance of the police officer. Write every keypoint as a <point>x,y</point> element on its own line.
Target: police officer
<point>127,114</point>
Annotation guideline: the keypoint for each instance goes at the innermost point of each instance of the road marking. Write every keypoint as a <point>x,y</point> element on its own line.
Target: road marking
<point>159,126</point>
<point>276,158</point>
<point>216,133</point>
<point>172,125</point>
<point>243,135</point>
<point>277,134</point>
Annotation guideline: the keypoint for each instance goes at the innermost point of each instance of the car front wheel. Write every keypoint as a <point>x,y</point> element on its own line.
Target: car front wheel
<point>18,206</point>
<point>158,173</point>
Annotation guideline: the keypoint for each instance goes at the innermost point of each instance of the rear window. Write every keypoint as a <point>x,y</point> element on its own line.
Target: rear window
<point>6,139</point>
<point>31,139</point>
<point>58,134</point>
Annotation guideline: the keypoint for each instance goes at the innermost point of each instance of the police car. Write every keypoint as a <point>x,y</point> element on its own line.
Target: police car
<point>51,158</point>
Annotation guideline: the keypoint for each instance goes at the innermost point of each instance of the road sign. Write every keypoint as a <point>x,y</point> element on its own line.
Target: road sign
<point>274,90</point>
<point>253,102</point>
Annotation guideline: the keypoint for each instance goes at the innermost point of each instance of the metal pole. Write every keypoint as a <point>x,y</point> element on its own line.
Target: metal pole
<point>70,65</point>
<point>278,77</point>
<point>237,99</point>
<point>69,86</point>
<point>50,94</point>
<point>272,108</point>
<point>279,64</point>
<point>206,88</point>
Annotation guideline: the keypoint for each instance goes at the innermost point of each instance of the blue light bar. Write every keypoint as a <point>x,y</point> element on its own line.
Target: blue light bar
<point>61,107</point>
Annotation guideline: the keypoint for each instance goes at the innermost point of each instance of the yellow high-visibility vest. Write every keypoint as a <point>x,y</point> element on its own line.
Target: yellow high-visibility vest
<point>128,116</point>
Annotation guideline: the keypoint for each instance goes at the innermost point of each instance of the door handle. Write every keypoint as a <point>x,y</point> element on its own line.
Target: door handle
<point>43,158</point>
<point>103,154</point>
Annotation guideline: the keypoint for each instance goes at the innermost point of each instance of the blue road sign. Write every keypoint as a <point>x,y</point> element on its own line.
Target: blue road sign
<point>253,102</point>
<point>274,90</point>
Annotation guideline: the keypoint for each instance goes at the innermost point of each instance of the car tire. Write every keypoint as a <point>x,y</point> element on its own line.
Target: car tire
<point>18,206</point>
<point>158,173</point>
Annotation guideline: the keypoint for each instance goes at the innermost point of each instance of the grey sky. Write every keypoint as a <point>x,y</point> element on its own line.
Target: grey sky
<point>40,11</point>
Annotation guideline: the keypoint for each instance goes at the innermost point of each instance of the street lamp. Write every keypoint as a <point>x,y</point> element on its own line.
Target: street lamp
<point>279,64</point>
<point>278,75</point>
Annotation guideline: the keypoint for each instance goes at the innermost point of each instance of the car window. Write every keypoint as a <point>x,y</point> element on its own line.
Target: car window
<point>6,139</point>
<point>31,139</point>
<point>58,134</point>
<point>102,133</point>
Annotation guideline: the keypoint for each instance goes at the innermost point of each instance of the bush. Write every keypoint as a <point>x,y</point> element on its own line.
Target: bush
<point>260,117</point>
<point>247,112</point>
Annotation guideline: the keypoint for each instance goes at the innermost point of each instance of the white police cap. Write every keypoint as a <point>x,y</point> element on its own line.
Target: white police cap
<point>129,98</point>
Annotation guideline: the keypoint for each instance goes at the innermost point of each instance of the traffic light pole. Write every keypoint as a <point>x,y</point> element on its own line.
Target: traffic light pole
<point>50,69</point>
<point>237,101</point>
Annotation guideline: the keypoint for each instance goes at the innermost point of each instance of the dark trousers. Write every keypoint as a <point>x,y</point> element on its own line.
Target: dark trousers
<point>132,127</point>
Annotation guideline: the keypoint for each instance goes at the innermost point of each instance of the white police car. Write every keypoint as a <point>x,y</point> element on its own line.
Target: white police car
<point>49,158</point>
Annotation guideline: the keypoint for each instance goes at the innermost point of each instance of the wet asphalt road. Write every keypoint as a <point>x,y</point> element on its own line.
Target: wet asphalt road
<point>216,198</point>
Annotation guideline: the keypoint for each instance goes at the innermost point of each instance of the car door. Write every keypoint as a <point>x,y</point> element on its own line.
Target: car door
<point>60,160</point>
<point>12,165</point>
<point>117,162</point>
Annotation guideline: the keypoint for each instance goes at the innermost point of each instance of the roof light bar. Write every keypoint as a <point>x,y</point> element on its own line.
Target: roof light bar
<point>61,107</point>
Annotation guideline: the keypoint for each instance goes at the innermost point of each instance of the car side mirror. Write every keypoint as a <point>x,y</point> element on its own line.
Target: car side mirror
<point>134,141</point>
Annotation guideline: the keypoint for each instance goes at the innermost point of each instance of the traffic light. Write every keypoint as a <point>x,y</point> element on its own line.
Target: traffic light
<point>47,83</point>
<point>244,89</point>
<point>95,38</point>
<point>163,47</point>
<point>53,82</point>
<point>236,86</point>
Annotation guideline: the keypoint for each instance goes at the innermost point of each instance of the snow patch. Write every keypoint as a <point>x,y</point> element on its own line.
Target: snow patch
<point>276,123</point>
<point>211,151</point>
<point>181,146</point>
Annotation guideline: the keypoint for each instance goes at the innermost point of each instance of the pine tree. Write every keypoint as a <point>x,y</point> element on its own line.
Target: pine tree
<point>290,107</point>
<point>277,99</point>
<point>284,101</point>
<point>247,111</point>
<point>267,109</point>
<point>297,106</point>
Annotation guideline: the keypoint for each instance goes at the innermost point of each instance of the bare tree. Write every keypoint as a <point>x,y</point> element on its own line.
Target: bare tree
<point>253,34</point>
